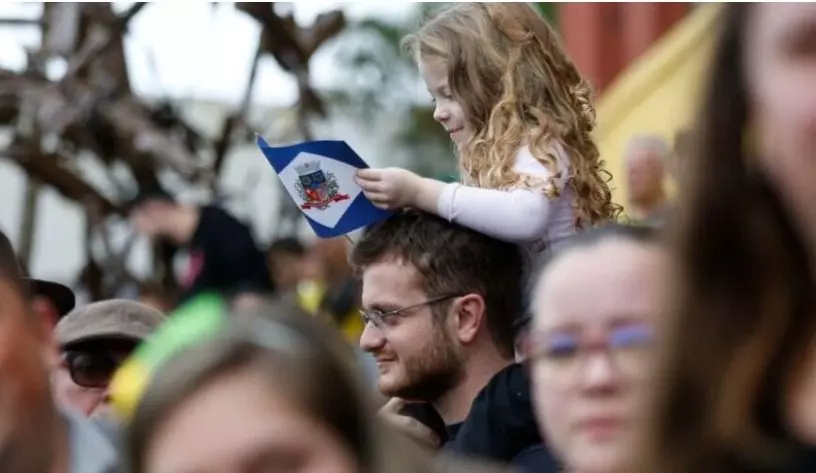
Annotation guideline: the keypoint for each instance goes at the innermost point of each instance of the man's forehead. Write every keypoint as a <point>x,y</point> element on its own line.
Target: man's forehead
<point>392,268</point>
<point>644,156</point>
<point>390,278</point>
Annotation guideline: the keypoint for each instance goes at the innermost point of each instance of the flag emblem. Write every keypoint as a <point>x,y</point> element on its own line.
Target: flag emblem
<point>317,189</point>
<point>319,177</point>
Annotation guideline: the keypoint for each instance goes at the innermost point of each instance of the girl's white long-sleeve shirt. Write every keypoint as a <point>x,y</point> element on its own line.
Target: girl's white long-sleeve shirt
<point>523,216</point>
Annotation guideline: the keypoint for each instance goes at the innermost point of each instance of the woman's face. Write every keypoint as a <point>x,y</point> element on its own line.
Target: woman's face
<point>780,57</point>
<point>591,348</point>
<point>239,424</point>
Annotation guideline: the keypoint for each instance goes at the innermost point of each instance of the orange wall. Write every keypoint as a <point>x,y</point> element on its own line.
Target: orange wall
<point>604,38</point>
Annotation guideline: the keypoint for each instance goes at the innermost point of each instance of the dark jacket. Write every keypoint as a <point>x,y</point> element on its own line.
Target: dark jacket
<point>224,257</point>
<point>501,425</point>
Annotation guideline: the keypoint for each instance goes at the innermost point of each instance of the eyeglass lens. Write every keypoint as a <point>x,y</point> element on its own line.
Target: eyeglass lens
<point>92,369</point>
<point>625,343</point>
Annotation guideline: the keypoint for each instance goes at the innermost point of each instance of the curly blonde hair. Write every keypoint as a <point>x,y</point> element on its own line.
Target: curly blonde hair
<point>517,86</point>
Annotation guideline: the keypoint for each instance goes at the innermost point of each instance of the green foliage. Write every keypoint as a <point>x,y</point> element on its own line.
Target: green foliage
<point>549,11</point>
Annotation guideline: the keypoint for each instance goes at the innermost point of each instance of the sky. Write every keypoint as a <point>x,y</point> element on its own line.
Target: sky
<point>200,50</point>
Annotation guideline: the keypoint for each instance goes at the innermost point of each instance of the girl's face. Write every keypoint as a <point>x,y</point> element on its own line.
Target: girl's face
<point>239,424</point>
<point>448,112</point>
<point>780,58</point>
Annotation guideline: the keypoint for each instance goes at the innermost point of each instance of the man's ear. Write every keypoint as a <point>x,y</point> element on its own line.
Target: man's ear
<point>469,316</point>
<point>45,320</point>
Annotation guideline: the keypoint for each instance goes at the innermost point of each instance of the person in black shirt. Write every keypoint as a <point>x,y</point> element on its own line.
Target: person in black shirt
<point>222,252</point>
<point>439,301</point>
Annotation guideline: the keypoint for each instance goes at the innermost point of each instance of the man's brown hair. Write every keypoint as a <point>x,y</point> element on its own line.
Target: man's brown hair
<point>452,260</point>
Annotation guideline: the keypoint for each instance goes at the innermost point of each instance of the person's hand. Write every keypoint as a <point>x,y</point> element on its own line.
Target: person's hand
<point>389,188</point>
<point>408,425</point>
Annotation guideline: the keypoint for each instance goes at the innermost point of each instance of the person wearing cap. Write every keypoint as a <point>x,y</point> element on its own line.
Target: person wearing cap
<point>37,436</point>
<point>94,340</point>
<point>222,252</point>
<point>50,299</point>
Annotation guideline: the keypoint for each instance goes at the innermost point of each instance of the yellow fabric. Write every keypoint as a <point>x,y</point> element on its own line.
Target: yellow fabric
<point>128,384</point>
<point>658,93</point>
<point>310,294</point>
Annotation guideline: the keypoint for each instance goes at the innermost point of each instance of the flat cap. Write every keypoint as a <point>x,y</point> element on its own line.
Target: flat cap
<point>111,319</point>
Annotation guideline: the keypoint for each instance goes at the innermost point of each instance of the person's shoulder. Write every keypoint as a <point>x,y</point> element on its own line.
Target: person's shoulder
<point>536,458</point>
<point>527,163</point>
<point>447,463</point>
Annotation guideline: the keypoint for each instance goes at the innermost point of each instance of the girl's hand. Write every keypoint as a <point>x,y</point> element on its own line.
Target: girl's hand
<point>389,188</point>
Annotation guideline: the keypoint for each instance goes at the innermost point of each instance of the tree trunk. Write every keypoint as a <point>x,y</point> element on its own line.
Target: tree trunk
<point>28,224</point>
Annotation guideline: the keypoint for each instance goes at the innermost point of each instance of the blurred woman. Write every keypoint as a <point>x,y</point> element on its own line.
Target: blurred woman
<point>737,391</point>
<point>596,306</point>
<point>266,394</point>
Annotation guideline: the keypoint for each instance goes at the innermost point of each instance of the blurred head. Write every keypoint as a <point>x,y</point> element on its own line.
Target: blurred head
<point>501,79</point>
<point>287,263</point>
<point>27,414</point>
<point>331,258</point>
<point>591,342</point>
<point>745,259</point>
<point>152,216</point>
<point>155,214</point>
<point>645,160</point>
<point>94,340</point>
<point>221,405</point>
<point>434,295</point>
<point>153,294</point>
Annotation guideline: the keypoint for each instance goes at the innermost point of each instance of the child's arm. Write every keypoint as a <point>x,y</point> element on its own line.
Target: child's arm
<point>518,215</point>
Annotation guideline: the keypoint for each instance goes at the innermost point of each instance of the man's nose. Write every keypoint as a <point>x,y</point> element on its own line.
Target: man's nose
<point>372,338</point>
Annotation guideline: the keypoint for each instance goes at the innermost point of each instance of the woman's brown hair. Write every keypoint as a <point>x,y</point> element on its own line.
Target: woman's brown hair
<point>510,73</point>
<point>309,355</point>
<point>742,315</point>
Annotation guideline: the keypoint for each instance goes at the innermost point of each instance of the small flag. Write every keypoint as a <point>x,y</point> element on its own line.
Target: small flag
<point>319,176</point>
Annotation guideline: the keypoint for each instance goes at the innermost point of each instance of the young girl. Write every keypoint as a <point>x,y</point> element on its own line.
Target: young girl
<point>520,116</point>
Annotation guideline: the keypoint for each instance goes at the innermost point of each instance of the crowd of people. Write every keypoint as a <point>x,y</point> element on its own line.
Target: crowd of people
<point>514,321</point>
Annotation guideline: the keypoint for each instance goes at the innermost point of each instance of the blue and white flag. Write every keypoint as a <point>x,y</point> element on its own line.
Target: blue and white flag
<point>319,176</point>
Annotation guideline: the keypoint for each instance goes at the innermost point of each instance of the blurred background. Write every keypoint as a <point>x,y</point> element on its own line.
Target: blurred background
<point>98,100</point>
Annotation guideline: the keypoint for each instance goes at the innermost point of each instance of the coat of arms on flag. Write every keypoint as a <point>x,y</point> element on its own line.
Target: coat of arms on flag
<point>318,189</point>
<point>319,177</point>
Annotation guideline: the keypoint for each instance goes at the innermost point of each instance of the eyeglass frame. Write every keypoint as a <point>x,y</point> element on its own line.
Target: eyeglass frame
<point>67,357</point>
<point>377,318</point>
<point>585,350</point>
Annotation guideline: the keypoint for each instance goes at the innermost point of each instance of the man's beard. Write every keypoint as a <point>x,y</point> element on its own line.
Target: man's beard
<point>434,371</point>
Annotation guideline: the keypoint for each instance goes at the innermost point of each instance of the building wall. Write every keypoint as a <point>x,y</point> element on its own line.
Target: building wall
<point>604,38</point>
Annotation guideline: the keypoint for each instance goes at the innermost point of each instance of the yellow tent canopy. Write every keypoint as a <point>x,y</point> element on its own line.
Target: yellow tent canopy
<point>658,93</point>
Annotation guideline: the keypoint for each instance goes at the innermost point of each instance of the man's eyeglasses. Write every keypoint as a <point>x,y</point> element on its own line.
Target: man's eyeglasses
<point>92,369</point>
<point>380,318</point>
<point>564,354</point>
